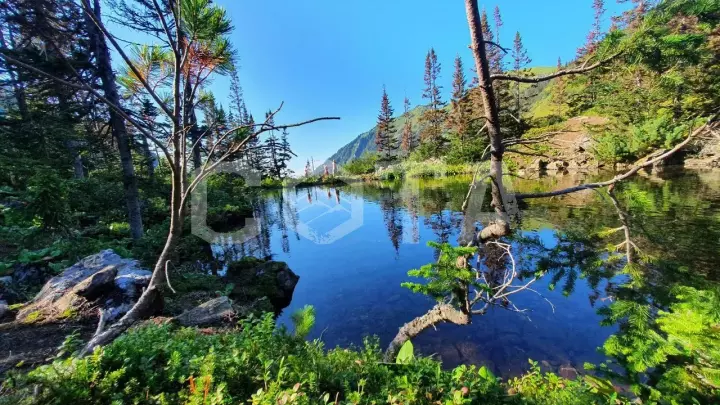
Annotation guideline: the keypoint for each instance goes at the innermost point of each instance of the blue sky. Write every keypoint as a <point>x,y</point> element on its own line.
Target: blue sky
<point>332,57</point>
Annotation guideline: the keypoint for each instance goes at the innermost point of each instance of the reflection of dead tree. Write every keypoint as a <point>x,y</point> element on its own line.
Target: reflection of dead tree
<point>628,244</point>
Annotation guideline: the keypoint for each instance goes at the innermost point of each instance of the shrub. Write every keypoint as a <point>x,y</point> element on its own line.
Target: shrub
<point>365,164</point>
<point>260,364</point>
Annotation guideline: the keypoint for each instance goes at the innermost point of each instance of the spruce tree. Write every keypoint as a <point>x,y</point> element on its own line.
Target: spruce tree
<point>520,61</point>
<point>460,114</point>
<point>593,37</point>
<point>434,117</point>
<point>385,133</point>
<point>408,141</point>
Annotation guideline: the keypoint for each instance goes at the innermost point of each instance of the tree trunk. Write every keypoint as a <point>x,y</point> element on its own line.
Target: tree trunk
<point>15,79</point>
<point>438,314</point>
<point>144,306</point>
<point>490,107</point>
<point>149,158</point>
<point>119,130</point>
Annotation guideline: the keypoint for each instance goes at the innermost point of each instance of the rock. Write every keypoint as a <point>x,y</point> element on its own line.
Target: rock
<point>558,165</point>
<point>3,308</point>
<point>6,281</point>
<point>254,278</point>
<point>97,284</point>
<point>582,144</point>
<point>131,280</point>
<point>103,280</point>
<point>568,372</point>
<point>28,274</point>
<point>210,313</point>
<point>539,164</point>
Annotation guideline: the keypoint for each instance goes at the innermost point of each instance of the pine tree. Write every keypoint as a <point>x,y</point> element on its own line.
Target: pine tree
<point>408,141</point>
<point>595,33</point>
<point>559,93</point>
<point>520,61</point>
<point>434,117</point>
<point>631,18</point>
<point>494,54</point>
<point>459,120</point>
<point>285,154</point>
<point>385,133</point>
<point>498,23</point>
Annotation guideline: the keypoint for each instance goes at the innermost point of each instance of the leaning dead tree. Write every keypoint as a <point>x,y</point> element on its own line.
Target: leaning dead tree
<point>195,32</point>
<point>461,289</point>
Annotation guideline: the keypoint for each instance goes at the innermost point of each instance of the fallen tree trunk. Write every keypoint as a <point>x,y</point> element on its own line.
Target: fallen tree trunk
<point>440,313</point>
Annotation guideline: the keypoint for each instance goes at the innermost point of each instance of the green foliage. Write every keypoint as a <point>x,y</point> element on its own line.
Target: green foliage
<point>536,387</point>
<point>48,200</point>
<point>365,164</point>
<point>406,354</point>
<point>442,278</point>
<point>160,364</point>
<point>303,319</point>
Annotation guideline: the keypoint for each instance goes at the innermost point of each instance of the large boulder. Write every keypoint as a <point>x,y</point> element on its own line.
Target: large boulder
<point>254,279</point>
<point>213,312</point>
<point>104,280</point>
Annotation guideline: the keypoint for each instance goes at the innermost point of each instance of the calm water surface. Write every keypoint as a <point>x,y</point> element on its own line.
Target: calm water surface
<point>352,247</point>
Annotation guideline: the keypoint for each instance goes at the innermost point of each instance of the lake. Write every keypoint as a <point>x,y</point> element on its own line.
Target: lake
<point>353,245</point>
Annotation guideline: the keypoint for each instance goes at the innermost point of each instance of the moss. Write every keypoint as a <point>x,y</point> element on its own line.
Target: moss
<point>33,317</point>
<point>68,313</point>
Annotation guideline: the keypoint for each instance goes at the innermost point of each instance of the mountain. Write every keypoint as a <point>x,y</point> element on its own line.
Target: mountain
<point>365,142</point>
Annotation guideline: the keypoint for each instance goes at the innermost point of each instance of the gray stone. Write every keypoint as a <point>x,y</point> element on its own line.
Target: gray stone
<point>131,280</point>
<point>212,312</point>
<point>568,372</point>
<point>104,276</point>
<point>97,284</point>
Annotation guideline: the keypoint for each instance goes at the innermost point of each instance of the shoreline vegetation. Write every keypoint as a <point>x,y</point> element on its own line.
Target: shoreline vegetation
<point>107,296</point>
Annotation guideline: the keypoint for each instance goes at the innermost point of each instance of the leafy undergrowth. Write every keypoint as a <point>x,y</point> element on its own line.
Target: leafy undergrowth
<point>260,364</point>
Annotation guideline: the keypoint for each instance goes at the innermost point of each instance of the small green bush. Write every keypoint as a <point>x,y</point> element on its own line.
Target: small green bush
<point>260,364</point>
<point>365,164</point>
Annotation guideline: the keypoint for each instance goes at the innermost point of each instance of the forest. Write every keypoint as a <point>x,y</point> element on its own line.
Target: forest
<point>147,225</point>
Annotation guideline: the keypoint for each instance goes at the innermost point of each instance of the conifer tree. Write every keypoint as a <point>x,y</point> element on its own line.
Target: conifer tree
<point>493,52</point>
<point>385,133</point>
<point>520,61</point>
<point>408,141</point>
<point>593,37</point>
<point>498,23</point>
<point>559,94</point>
<point>631,18</point>
<point>460,114</point>
<point>434,117</point>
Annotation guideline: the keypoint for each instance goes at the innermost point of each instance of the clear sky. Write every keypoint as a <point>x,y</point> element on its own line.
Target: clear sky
<point>332,57</point>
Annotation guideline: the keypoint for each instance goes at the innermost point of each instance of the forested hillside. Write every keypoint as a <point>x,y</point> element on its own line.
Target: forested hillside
<point>655,76</point>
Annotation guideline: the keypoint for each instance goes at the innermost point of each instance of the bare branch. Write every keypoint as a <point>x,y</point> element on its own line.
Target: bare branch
<point>560,73</point>
<point>496,45</point>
